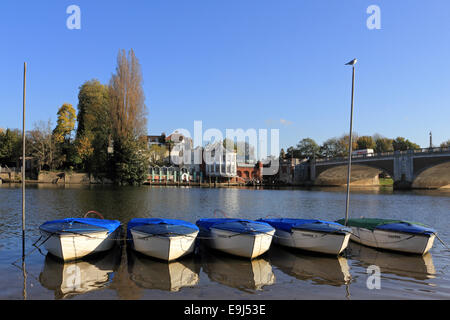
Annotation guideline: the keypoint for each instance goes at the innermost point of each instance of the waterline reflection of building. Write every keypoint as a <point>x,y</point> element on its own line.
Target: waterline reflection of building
<point>320,269</point>
<point>150,273</point>
<point>243,274</point>
<point>404,265</point>
<point>80,276</point>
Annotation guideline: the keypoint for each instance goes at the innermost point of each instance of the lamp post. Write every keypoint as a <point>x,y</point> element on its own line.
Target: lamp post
<point>23,158</point>
<point>351,63</point>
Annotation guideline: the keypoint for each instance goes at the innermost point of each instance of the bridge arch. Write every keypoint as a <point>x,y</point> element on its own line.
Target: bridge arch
<point>364,174</point>
<point>434,176</point>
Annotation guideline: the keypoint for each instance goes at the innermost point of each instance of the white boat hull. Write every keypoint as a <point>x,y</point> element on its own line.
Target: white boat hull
<point>328,243</point>
<point>391,240</point>
<point>163,247</point>
<point>76,246</point>
<point>247,245</point>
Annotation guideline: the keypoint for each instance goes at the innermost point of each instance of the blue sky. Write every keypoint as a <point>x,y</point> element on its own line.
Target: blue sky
<point>240,64</point>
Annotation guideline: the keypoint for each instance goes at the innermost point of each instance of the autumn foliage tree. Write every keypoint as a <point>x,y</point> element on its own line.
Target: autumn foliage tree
<point>128,115</point>
<point>365,142</point>
<point>65,123</point>
<point>94,127</point>
<point>62,134</point>
<point>127,106</point>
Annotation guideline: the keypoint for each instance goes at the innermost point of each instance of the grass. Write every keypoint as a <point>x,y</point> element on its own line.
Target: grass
<point>386,182</point>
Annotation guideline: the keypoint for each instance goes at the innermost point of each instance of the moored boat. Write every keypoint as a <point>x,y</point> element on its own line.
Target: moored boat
<point>391,234</point>
<point>166,239</point>
<point>75,238</point>
<point>310,234</point>
<point>240,237</point>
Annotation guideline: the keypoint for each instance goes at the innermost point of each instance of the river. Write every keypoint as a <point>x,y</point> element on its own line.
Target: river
<point>278,274</point>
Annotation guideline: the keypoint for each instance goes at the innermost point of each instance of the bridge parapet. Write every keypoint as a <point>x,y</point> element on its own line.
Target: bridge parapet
<point>384,155</point>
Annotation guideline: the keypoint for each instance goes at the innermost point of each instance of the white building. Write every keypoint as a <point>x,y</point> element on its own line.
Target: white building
<point>219,161</point>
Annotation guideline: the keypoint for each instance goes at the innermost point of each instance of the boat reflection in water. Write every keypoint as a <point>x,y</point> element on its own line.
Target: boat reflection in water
<point>68,279</point>
<point>151,273</point>
<point>243,274</point>
<point>320,269</point>
<point>403,265</point>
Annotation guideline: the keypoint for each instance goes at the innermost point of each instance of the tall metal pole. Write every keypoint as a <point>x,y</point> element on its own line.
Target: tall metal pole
<point>350,140</point>
<point>23,159</point>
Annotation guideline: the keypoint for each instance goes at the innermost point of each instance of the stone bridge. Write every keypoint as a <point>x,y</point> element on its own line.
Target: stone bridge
<point>422,169</point>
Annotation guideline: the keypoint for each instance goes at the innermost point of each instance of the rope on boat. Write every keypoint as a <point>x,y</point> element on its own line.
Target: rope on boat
<point>36,248</point>
<point>443,243</point>
<point>93,211</point>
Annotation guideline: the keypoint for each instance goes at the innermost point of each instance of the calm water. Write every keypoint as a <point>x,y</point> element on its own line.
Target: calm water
<point>279,274</point>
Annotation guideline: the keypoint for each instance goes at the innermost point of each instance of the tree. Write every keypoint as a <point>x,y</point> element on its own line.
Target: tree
<point>131,162</point>
<point>93,108</point>
<point>94,129</point>
<point>333,147</point>
<point>157,154</point>
<point>383,144</point>
<point>365,142</point>
<point>292,152</point>
<point>282,154</point>
<point>10,145</point>
<point>128,110</point>
<point>344,142</point>
<point>445,144</point>
<point>402,144</point>
<point>65,123</point>
<point>128,115</point>
<point>41,145</point>
<point>229,145</point>
<point>62,135</point>
<point>84,149</point>
<point>308,148</point>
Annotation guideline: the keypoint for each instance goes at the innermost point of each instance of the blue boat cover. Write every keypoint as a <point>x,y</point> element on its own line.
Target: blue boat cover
<point>60,225</point>
<point>407,228</point>
<point>235,225</point>
<point>287,224</point>
<point>144,221</point>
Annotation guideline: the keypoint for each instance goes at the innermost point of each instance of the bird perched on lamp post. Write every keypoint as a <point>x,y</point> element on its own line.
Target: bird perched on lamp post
<point>351,63</point>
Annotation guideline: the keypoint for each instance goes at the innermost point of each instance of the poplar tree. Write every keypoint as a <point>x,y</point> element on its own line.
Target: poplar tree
<point>128,119</point>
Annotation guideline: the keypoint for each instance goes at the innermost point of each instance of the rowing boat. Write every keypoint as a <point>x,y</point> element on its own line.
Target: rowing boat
<point>310,234</point>
<point>75,238</point>
<point>240,237</point>
<point>166,239</point>
<point>391,234</point>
